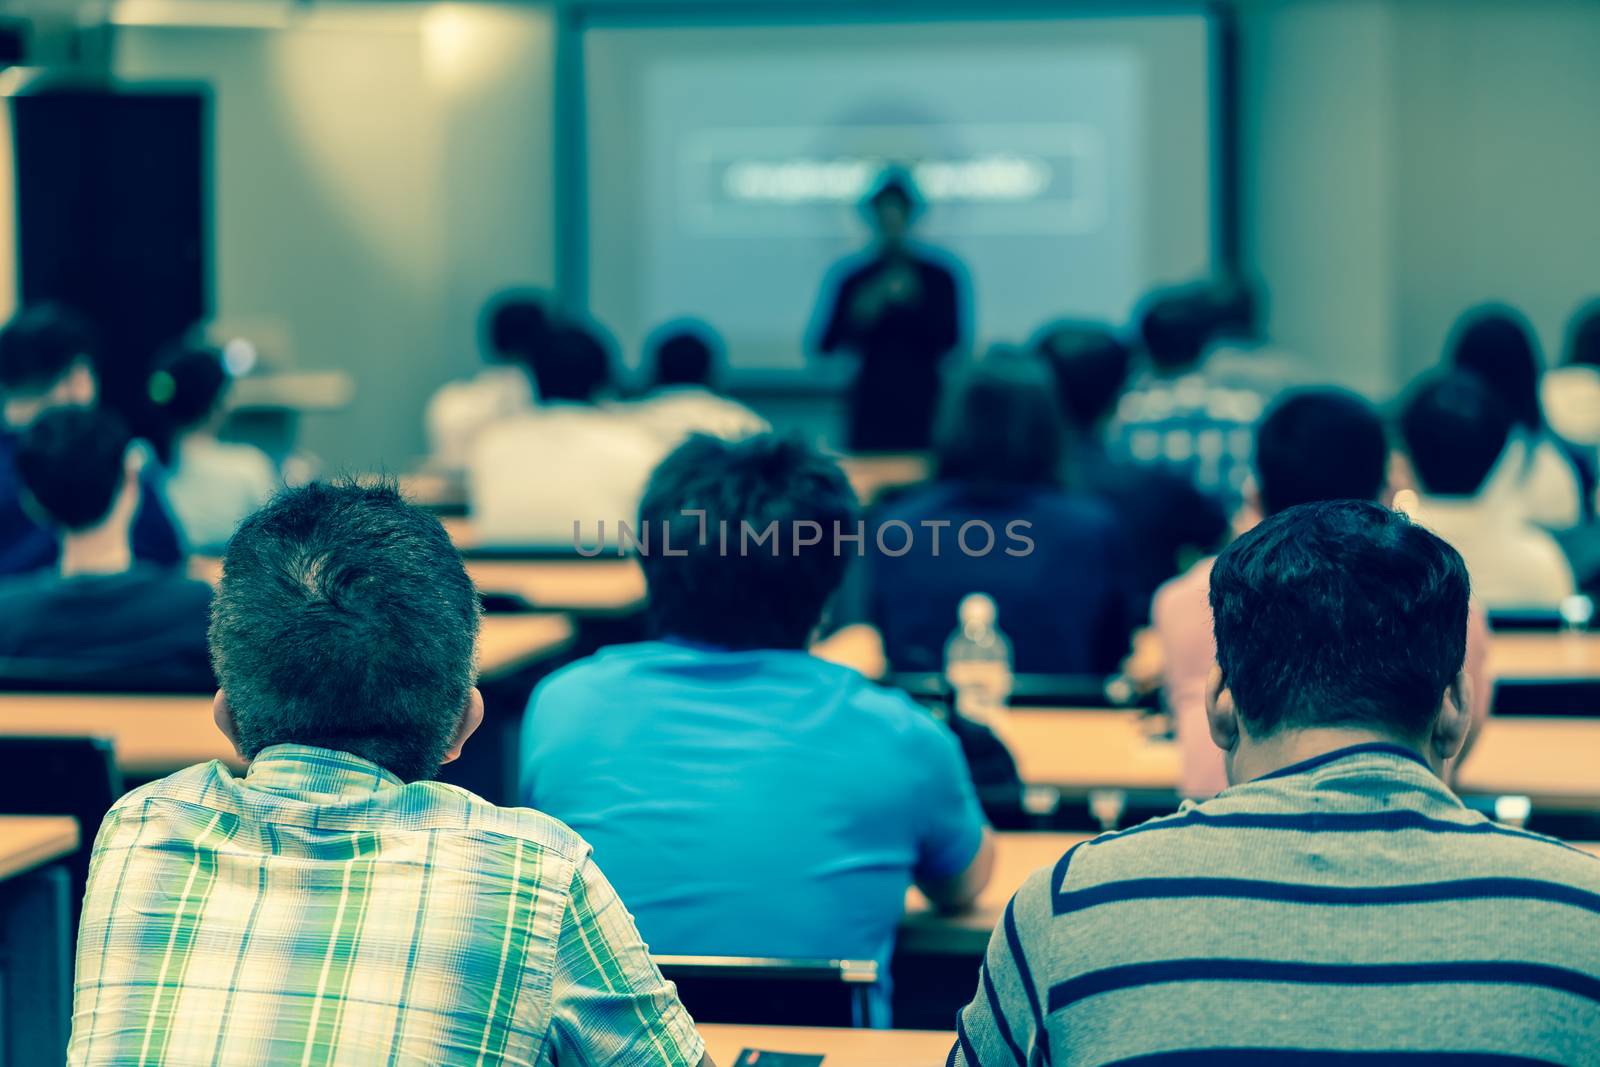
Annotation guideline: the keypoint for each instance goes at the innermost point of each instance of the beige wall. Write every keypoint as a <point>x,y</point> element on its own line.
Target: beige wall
<point>380,170</point>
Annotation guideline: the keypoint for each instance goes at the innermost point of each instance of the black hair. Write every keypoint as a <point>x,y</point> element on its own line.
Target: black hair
<point>573,363</point>
<point>896,183</point>
<point>999,423</point>
<point>1320,444</point>
<point>1339,613</point>
<point>1176,325</point>
<point>1496,343</point>
<point>1454,430</point>
<point>39,345</point>
<point>1583,339</point>
<point>187,385</point>
<point>345,620</point>
<point>73,461</point>
<point>733,591</point>
<point>1090,365</point>
<point>514,325</point>
<point>684,353</point>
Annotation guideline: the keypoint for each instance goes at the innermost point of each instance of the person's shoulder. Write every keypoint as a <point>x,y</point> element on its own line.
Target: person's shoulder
<point>469,814</point>
<point>203,784</point>
<point>611,670</point>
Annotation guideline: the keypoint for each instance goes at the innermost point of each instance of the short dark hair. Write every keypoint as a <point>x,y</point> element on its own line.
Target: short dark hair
<point>572,364</point>
<point>514,324</point>
<point>1339,613</point>
<point>1454,430</point>
<point>39,345</point>
<point>684,354</point>
<point>72,461</point>
<point>1583,339</point>
<point>896,183</point>
<point>1320,444</point>
<point>1091,366</point>
<point>345,620</point>
<point>1496,343</point>
<point>1176,326</point>
<point>769,594</point>
<point>188,383</point>
<point>1000,424</point>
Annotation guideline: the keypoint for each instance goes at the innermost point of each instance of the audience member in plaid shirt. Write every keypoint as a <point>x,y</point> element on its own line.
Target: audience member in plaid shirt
<point>333,906</point>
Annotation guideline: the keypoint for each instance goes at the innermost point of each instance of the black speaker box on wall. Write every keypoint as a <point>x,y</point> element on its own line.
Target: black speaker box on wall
<point>112,218</point>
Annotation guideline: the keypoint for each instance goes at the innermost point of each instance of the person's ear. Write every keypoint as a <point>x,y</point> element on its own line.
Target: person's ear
<point>1454,721</point>
<point>1222,718</point>
<point>471,719</point>
<point>222,714</point>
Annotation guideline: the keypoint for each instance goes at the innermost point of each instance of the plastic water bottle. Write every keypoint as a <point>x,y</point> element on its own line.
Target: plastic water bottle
<point>977,660</point>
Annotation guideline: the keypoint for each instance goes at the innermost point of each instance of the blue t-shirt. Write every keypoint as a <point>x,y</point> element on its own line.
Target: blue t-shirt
<point>761,803</point>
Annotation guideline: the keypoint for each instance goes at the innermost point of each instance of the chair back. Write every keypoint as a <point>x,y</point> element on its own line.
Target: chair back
<point>773,992</point>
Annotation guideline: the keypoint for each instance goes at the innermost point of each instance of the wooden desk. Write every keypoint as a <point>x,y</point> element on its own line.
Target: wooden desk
<point>437,490</point>
<point>156,735</point>
<point>1545,656</point>
<point>872,476</point>
<point>1079,749</point>
<point>1016,855</point>
<point>29,841</point>
<point>35,937</point>
<point>1554,761</point>
<point>604,585</point>
<point>839,1047</point>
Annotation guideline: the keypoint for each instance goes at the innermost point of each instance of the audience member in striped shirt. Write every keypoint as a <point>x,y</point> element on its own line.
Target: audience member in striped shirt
<point>332,906</point>
<point>1337,904</point>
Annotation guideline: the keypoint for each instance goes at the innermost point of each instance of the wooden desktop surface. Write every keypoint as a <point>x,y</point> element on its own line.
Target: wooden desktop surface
<point>1552,760</point>
<point>838,1047</point>
<point>582,585</point>
<point>156,735</point>
<point>1016,856</point>
<point>1552,656</point>
<point>29,841</point>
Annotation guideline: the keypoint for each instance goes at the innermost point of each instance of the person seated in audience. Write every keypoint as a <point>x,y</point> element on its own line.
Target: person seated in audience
<point>211,484</point>
<point>46,360</point>
<point>100,618</point>
<point>748,798</point>
<point>1456,435</point>
<point>1165,521</point>
<point>1545,474</point>
<point>332,904</point>
<point>549,477</point>
<point>997,452</point>
<point>684,357</point>
<point>1338,903</point>
<point>1313,444</point>
<point>514,326</point>
<point>1175,415</point>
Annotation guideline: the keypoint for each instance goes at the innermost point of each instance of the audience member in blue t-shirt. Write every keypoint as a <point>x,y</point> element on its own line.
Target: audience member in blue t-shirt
<point>745,797</point>
<point>46,362</point>
<point>1056,565</point>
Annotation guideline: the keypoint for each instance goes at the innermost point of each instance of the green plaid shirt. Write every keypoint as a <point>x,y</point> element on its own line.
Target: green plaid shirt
<point>319,911</point>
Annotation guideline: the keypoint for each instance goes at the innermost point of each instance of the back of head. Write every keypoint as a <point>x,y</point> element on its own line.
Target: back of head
<point>1496,344</point>
<point>1320,444</point>
<point>1091,367</point>
<point>572,364</point>
<point>1339,614</point>
<point>747,578</point>
<point>1455,430</point>
<point>345,620</point>
<point>39,346</point>
<point>1176,326</point>
<point>514,326</point>
<point>73,461</point>
<point>187,386</point>
<point>684,354</point>
<point>999,423</point>
<point>1583,339</point>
